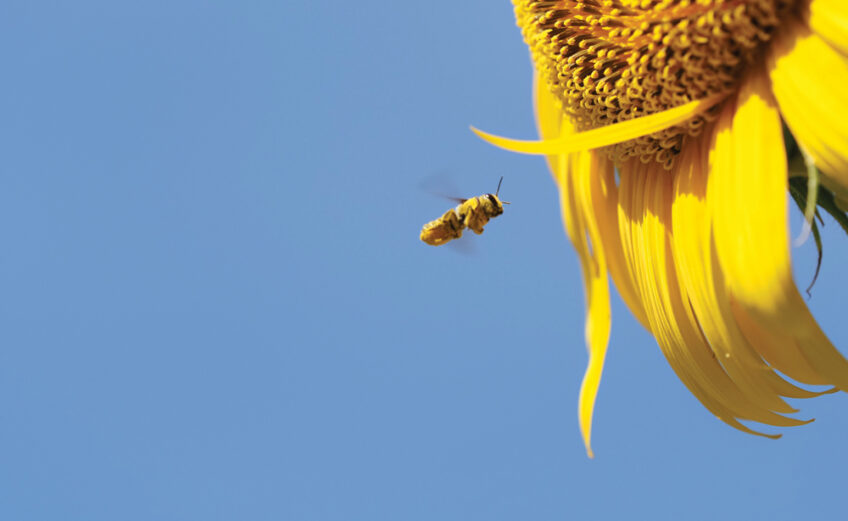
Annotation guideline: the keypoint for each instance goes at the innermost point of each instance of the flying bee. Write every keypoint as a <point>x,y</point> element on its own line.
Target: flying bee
<point>471,213</point>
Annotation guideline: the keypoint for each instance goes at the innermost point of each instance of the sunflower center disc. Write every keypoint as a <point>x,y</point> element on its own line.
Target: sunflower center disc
<point>614,60</point>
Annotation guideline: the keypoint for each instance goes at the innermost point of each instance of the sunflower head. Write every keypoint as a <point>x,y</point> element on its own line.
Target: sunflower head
<point>608,61</point>
<point>663,124</point>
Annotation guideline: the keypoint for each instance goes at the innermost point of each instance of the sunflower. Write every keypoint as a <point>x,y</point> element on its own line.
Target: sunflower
<point>671,128</point>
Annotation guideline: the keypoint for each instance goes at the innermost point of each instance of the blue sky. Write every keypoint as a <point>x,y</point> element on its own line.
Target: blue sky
<point>216,306</point>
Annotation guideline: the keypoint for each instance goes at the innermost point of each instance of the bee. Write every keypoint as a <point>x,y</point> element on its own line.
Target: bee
<point>471,213</point>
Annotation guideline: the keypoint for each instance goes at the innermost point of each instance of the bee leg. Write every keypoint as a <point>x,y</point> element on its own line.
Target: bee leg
<point>456,225</point>
<point>478,223</point>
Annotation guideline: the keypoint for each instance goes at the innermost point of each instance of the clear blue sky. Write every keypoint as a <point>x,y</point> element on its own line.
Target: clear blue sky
<point>215,304</point>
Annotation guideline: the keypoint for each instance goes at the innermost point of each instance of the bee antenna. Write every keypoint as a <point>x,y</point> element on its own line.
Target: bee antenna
<point>499,186</point>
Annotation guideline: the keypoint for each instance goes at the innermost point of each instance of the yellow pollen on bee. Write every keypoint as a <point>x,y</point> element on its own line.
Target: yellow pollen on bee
<point>609,61</point>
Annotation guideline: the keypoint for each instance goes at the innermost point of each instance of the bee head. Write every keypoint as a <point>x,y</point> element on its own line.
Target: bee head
<point>497,204</point>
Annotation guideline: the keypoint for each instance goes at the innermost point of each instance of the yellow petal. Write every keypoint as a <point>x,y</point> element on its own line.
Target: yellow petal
<point>572,173</point>
<point>575,201</point>
<point>603,201</point>
<point>747,200</point>
<point>829,19</point>
<point>703,284</point>
<point>549,118</point>
<point>608,135</point>
<point>589,202</point>
<point>646,193</point>
<point>808,79</point>
<point>780,351</point>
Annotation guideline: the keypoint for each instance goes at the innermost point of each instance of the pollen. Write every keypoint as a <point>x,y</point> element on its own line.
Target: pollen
<point>609,61</point>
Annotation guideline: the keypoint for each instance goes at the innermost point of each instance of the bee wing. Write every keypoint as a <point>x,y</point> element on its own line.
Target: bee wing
<point>440,185</point>
<point>458,200</point>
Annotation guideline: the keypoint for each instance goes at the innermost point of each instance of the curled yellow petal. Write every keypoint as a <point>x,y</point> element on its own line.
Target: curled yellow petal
<point>608,135</point>
<point>576,201</point>
<point>573,173</point>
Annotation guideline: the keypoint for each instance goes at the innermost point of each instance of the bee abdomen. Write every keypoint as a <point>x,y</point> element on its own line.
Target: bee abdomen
<point>442,230</point>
